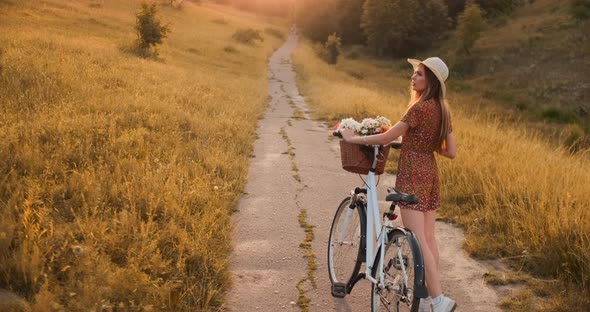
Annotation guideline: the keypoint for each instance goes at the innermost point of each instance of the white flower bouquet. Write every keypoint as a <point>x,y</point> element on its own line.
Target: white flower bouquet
<point>366,127</point>
<point>358,158</point>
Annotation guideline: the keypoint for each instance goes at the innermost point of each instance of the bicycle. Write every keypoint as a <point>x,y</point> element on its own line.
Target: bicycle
<point>392,257</point>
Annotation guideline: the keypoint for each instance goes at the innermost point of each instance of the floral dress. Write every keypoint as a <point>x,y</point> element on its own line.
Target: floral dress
<point>417,170</point>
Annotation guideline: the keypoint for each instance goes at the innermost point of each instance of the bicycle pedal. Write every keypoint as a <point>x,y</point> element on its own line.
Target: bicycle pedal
<point>339,290</point>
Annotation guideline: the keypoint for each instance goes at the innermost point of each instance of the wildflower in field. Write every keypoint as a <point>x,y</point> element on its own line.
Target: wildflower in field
<point>78,250</point>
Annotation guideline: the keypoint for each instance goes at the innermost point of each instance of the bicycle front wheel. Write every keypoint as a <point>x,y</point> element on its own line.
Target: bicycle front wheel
<point>398,273</point>
<point>345,242</point>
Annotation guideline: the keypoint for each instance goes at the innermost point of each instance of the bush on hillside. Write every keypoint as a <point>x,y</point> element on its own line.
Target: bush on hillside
<point>574,135</point>
<point>175,3</point>
<point>470,26</point>
<point>275,33</point>
<point>331,49</point>
<point>247,36</point>
<point>557,115</point>
<point>150,30</point>
<point>580,9</point>
<point>230,49</point>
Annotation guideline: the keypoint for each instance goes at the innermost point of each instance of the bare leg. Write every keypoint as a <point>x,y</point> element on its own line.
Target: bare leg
<point>415,221</point>
<point>429,220</point>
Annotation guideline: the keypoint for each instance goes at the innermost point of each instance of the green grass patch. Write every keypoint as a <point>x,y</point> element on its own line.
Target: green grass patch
<point>308,253</point>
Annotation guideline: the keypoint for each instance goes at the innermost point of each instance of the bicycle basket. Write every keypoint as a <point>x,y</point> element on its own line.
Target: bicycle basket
<point>357,158</point>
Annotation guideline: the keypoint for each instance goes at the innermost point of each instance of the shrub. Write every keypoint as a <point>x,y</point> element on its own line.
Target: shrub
<point>275,33</point>
<point>580,9</point>
<point>332,48</point>
<point>247,36</point>
<point>175,3</point>
<point>150,30</point>
<point>230,49</point>
<point>556,115</point>
<point>470,26</point>
<point>574,134</point>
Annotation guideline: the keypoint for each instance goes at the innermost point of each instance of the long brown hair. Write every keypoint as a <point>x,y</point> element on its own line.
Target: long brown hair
<point>434,91</point>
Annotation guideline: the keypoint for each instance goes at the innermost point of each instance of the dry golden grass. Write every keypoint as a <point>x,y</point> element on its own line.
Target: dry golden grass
<point>119,174</point>
<point>517,197</point>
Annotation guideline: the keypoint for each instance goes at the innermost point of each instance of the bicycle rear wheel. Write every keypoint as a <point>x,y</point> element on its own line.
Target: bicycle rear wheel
<point>398,293</point>
<point>344,246</point>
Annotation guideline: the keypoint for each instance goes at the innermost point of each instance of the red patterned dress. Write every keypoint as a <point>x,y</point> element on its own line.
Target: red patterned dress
<point>417,170</point>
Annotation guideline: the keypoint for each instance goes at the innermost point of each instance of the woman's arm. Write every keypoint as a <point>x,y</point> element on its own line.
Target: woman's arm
<point>393,133</point>
<point>451,150</point>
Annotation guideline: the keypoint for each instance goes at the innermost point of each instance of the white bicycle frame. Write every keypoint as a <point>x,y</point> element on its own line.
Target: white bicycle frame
<point>377,232</point>
<point>376,229</point>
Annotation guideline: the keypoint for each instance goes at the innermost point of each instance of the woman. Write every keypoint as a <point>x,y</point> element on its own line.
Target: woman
<point>426,128</point>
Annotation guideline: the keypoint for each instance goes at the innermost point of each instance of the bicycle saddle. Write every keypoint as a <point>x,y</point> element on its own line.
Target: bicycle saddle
<point>398,196</point>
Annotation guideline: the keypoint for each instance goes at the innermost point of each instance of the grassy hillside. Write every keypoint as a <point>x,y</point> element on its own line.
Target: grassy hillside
<point>535,64</point>
<point>519,198</point>
<point>119,173</point>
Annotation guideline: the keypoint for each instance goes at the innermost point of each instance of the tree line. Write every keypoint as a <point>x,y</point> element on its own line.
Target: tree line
<point>397,28</point>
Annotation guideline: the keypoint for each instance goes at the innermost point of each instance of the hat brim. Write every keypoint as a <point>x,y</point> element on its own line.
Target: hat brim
<point>415,63</point>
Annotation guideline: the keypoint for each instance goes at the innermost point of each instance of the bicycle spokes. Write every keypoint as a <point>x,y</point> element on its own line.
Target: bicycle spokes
<point>397,291</point>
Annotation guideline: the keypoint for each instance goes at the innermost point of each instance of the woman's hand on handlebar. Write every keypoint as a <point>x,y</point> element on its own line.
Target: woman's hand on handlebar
<point>347,134</point>
<point>397,143</point>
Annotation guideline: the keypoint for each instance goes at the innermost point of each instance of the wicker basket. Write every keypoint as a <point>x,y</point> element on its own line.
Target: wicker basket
<point>358,158</point>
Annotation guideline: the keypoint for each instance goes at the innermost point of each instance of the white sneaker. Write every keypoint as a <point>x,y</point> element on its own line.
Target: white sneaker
<point>446,304</point>
<point>425,304</point>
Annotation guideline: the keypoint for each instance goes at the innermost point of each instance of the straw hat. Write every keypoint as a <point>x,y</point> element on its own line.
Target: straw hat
<point>437,66</point>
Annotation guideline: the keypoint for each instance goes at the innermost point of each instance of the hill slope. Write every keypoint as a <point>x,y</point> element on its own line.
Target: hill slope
<point>119,173</point>
<point>535,61</point>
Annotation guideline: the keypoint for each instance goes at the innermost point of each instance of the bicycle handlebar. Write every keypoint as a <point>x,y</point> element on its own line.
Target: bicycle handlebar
<point>337,134</point>
<point>394,145</point>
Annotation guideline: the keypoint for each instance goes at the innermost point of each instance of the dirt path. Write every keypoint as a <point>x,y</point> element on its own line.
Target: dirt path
<point>295,179</point>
